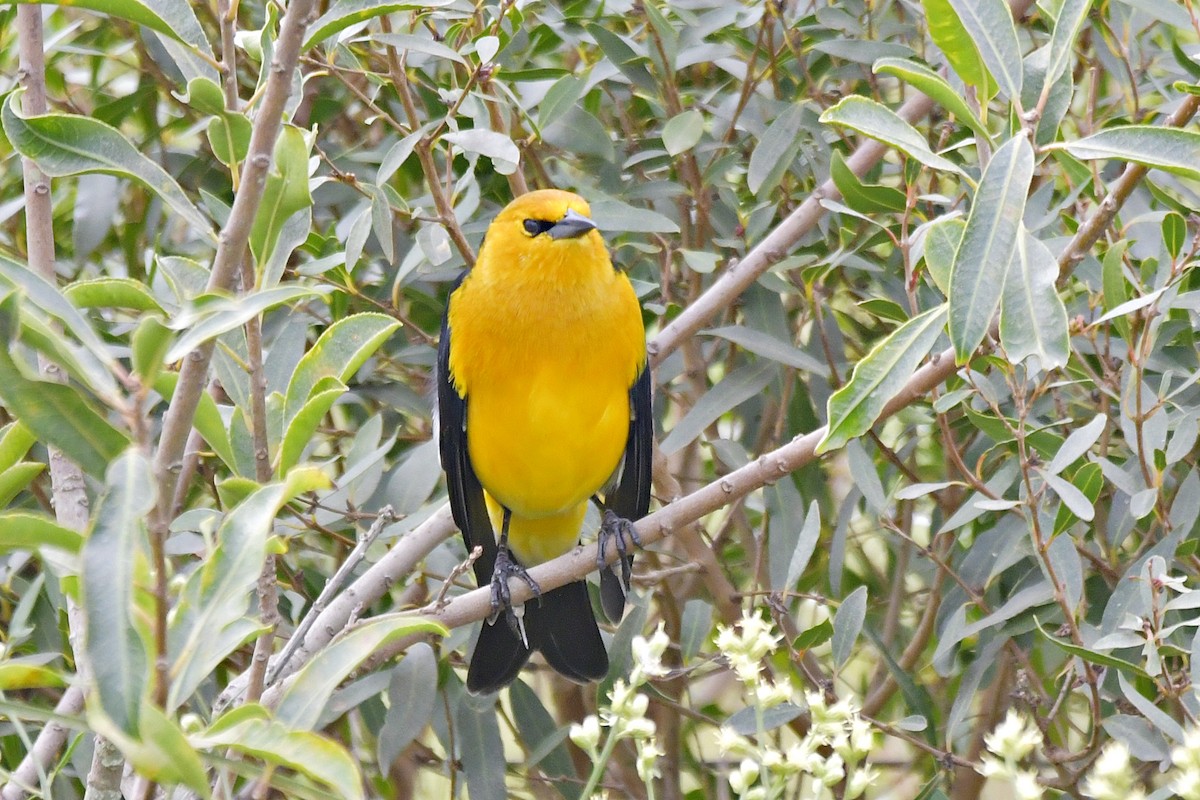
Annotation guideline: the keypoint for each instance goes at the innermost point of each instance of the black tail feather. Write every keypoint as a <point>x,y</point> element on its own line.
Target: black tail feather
<point>561,626</point>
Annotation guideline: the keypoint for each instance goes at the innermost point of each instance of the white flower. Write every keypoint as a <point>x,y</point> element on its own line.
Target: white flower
<point>637,728</point>
<point>1112,776</point>
<point>1187,756</point>
<point>648,653</point>
<point>586,734</point>
<point>1186,783</point>
<point>804,756</point>
<point>772,693</point>
<point>1026,786</point>
<point>648,753</point>
<point>1014,738</point>
<point>744,776</point>
<point>830,771</point>
<point>730,741</point>
<point>859,781</point>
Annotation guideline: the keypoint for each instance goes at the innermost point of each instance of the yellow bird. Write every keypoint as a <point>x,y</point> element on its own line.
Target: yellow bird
<point>543,402</point>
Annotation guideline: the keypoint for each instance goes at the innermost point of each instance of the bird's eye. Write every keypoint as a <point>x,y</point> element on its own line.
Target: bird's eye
<point>535,226</point>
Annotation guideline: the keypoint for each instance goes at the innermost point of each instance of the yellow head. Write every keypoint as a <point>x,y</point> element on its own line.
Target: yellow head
<point>543,232</point>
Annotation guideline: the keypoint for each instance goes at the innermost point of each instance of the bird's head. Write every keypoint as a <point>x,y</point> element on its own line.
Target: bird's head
<point>545,221</point>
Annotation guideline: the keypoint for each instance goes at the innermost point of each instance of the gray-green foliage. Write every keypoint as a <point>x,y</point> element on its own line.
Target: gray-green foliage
<point>1022,534</point>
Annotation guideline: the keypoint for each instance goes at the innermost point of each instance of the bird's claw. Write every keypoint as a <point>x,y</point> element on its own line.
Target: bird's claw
<point>616,528</point>
<point>506,567</point>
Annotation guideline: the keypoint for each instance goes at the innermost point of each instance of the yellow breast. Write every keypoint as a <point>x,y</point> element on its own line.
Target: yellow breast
<point>545,353</point>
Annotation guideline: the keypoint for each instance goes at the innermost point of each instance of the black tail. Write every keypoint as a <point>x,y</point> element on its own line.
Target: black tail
<point>561,626</point>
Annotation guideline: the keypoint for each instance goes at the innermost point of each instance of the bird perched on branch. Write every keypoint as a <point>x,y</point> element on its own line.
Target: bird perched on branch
<point>543,406</point>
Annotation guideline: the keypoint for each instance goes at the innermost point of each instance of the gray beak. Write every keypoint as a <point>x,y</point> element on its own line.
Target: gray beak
<point>571,226</point>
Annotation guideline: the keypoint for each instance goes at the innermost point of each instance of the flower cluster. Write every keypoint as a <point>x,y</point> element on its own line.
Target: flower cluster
<point>625,716</point>
<point>834,749</point>
<point>1008,745</point>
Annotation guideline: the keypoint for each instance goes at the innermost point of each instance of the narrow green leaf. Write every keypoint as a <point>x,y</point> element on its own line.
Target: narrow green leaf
<point>926,80</point>
<point>861,197</point>
<point>1074,499</point>
<point>1092,656</point>
<point>285,193</point>
<point>624,56</point>
<point>15,441</point>
<point>15,676</point>
<point>109,292</point>
<point>1174,231</point>
<point>59,415</point>
<point>735,389</point>
<point>301,427</point>
<point>1170,149</point>
<point>775,151</point>
<point>214,315</point>
<point>207,421</point>
<point>21,530</point>
<point>879,122</point>
<point>110,554</point>
<point>67,144</point>
<point>481,749</point>
<point>419,44</point>
<point>249,729</point>
<point>1087,479</point>
<point>814,637</point>
<point>1071,16</point>
<point>1116,292</point>
<point>847,624</point>
<point>942,238</point>
<point>559,99</point>
<point>344,13</point>
<point>854,408</point>
<point>14,479</point>
<point>1033,319</point>
<point>955,42</point>
<point>339,352</point>
<point>305,696</point>
<point>174,19</point>
<point>988,244</point>
<point>504,154</point>
<point>683,131</point>
<point>765,345</point>
<point>410,702</point>
<point>990,25</point>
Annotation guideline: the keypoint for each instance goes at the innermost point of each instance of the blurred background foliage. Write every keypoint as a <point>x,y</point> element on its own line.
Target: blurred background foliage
<point>810,196</point>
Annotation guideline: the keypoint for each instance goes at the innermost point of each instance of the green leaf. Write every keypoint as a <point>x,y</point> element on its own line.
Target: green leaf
<point>1170,149</point>
<point>67,144</point>
<point>1089,480</point>
<point>344,13</point>
<point>229,137</point>
<point>59,415</point>
<point>855,407</point>
<point>624,57</point>
<point>938,88</point>
<point>16,676</point>
<point>207,420</point>
<point>1174,232</point>
<point>301,427</point>
<point>109,292</point>
<point>249,729</point>
<point>481,749</point>
<point>879,122</point>
<point>988,244</point>
<point>1071,16</point>
<point>765,345</point>
<point>174,19</point>
<point>1115,290</point>
<point>948,33</point>
<point>735,389</point>
<point>15,441</point>
<point>419,44</point>
<point>304,697</point>
<point>339,351</point>
<point>1033,319</point>
<point>210,620</point>
<point>410,702</point>
<point>504,154</point>
<point>1092,656</point>
<point>861,197</point>
<point>15,478</point>
<point>559,99</point>
<point>285,193</point>
<point>212,315</point>
<point>110,555</point>
<point>989,23</point>
<point>150,341</point>
<point>942,238</point>
<point>847,624</point>
<point>683,131</point>
<point>814,637</point>
<point>777,148</point>
<point>614,216</point>
<point>21,530</point>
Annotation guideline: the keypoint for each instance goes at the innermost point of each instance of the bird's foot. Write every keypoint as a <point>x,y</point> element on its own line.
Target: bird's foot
<point>507,567</point>
<point>615,529</point>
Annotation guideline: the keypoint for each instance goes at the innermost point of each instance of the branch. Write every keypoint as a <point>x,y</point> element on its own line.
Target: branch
<point>772,249</point>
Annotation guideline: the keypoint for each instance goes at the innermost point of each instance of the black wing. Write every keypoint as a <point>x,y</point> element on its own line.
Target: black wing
<point>466,493</point>
<point>630,498</point>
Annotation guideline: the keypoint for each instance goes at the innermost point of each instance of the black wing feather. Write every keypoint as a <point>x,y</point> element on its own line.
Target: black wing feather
<point>466,493</point>
<point>630,498</point>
